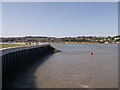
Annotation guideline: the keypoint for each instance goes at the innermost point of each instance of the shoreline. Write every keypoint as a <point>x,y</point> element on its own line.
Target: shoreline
<point>84,42</point>
<point>3,48</point>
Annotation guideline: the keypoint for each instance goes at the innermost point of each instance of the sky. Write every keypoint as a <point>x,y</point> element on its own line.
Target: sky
<point>59,19</point>
<point>0,19</point>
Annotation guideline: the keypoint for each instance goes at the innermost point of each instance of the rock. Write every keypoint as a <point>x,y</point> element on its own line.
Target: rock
<point>53,50</point>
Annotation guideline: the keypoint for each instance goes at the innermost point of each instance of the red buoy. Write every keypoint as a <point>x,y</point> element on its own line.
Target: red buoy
<point>91,53</point>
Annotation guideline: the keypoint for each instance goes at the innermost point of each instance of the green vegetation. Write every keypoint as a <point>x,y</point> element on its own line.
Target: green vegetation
<point>6,45</point>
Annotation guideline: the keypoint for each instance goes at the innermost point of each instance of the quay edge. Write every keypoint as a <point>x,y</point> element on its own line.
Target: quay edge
<point>13,58</point>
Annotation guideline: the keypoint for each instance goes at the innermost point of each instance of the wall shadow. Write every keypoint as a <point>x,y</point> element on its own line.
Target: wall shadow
<point>18,74</point>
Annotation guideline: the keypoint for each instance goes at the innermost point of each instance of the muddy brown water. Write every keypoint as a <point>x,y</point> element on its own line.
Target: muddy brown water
<point>74,67</point>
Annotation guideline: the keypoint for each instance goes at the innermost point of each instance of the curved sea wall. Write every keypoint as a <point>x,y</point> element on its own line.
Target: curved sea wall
<point>13,58</point>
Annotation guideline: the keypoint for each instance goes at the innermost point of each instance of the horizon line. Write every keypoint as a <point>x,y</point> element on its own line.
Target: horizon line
<point>62,36</point>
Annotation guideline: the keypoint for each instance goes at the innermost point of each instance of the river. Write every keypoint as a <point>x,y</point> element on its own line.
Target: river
<point>74,67</point>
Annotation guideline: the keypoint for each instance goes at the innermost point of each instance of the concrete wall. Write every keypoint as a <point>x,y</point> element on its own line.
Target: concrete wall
<point>15,57</point>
